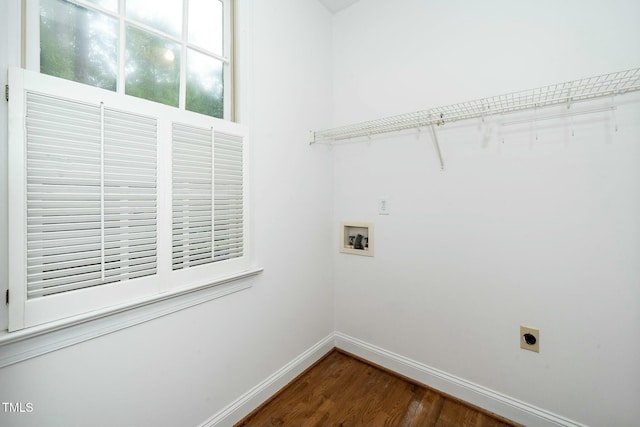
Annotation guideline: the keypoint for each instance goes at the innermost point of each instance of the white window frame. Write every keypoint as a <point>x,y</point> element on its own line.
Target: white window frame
<point>31,49</point>
<point>25,313</point>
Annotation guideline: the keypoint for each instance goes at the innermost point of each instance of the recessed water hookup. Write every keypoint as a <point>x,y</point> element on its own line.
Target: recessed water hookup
<point>530,338</point>
<point>356,238</point>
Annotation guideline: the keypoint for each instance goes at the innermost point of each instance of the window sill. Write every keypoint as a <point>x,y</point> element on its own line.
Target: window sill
<point>32,342</point>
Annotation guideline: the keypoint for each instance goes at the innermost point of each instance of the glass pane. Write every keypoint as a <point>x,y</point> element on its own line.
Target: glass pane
<point>107,4</point>
<point>206,26</point>
<point>152,67</point>
<point>78,44</point>
<point>163,15</point>
<point>204,84</point>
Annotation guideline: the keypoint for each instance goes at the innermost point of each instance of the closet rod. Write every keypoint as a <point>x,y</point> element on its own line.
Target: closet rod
<point>561,93</point>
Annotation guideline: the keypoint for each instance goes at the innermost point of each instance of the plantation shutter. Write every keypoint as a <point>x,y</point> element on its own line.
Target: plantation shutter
<point>208,202</point>
<point>228,212</point>
<point>116,200</point>
<point>130,208</point>
<point>63,195</point>
<point>192,196</point>
<point>91,195</point>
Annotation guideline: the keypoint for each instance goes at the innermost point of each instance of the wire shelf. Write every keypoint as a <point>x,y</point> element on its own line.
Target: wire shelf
<point>561,93</point>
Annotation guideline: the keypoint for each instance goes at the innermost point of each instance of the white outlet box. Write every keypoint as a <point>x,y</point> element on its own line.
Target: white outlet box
<point>383,206</point>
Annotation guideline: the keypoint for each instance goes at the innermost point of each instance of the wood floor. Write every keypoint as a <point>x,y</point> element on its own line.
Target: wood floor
<point>343,391</point>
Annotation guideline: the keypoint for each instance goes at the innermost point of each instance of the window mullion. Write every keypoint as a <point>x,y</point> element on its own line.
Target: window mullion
<point>93,6</point>
<point>228,72</point>
<point>183,55</point>
<point>121,46</point>
<point>225,59</point>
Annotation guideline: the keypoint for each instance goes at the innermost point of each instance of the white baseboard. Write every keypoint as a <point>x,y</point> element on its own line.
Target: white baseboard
<point>242,406</point>
<point>490,400</point>
<point>475,394</point>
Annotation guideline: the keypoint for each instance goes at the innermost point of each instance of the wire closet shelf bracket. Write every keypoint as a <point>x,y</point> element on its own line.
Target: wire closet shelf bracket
<point>605,85</point>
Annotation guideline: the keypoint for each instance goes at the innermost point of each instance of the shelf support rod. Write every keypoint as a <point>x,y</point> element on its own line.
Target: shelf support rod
<point>437,145</point>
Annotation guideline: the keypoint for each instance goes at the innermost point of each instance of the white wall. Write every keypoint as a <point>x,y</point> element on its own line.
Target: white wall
<point>541,230</point>
<point>183,368</point>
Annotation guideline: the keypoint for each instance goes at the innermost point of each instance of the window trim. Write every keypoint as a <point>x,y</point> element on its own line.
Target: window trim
<point>32,342</point>
<point>30,47</point>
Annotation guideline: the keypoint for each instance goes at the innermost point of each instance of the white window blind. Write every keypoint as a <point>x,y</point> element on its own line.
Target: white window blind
<point>115,199</point>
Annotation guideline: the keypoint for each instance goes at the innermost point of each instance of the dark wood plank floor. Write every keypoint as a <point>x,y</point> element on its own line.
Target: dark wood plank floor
<point>341,390</point>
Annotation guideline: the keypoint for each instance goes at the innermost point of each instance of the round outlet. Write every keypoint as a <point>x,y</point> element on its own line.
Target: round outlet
<point>529,339</point>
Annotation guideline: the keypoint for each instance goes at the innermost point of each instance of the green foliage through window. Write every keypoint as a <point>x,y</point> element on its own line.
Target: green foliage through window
<point>78,44</point>
<point>83,44</point>
<point>152,67</point>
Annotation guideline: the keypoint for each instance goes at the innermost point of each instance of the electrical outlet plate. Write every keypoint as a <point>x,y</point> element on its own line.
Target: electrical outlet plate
<point>533,331</point>
<point>383,206</point>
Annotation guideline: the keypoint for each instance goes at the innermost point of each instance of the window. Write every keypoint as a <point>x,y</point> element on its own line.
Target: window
<point>175,52</point>
<point>116,199</point>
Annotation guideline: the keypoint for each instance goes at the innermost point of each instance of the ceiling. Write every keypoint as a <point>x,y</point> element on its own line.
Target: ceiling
<point>337,5</point>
